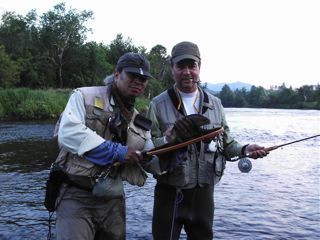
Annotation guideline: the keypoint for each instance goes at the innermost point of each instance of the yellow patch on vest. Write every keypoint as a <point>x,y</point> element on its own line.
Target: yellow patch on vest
<point>98,102</point>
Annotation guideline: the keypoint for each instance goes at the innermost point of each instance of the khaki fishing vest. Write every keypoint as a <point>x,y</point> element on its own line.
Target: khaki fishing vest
<point>99,112</point>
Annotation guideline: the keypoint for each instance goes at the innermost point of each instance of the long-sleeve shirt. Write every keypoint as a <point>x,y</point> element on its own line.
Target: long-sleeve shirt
<point>77,138</point>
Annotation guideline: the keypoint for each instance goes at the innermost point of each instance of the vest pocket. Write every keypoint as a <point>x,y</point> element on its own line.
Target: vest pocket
<point>108,187</point>
<point>219,166</point>
<point>215,162</point>
<point>98,120</point>
<point>76,165</point>
<point>179,177</point>
<point>135,140</point>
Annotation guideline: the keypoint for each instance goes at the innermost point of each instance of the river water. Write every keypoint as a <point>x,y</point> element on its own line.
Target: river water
<point>278,199</point>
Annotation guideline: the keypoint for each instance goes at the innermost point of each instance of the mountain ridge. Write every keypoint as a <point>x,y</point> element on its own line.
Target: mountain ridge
<point>216,87</point>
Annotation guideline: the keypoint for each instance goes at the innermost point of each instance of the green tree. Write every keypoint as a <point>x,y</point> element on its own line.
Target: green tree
<point>257,97</point>
<point>227,96</point>
<point>305,93</point>
<point>240,97</point>
<point>19,36</point>
<point>160,69</point>
<point>159,61</point>
<point>60,31</point>
<point>13,34</point>
<point>9,70</point>
<point>287,96</point>
<point>88,65</point>
<point>118,47</point>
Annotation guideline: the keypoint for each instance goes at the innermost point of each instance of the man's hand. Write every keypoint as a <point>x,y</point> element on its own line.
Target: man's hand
<point>186,128</point>
<point>170,135</point>
<point>255,151</point>
<point>133,156</point>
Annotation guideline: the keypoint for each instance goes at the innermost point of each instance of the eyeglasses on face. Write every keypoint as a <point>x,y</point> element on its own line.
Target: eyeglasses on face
<point>134,76</point>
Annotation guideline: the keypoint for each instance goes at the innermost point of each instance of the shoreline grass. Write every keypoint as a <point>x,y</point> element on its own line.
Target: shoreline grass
<point>21,104</point>
<point>32,104</point>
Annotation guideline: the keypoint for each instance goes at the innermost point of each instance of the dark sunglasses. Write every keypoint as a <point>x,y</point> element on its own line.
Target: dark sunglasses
<point>137,76</point>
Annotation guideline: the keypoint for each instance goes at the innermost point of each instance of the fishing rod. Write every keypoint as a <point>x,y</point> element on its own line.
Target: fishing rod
<point>236,158</point>
<point>245,164</point>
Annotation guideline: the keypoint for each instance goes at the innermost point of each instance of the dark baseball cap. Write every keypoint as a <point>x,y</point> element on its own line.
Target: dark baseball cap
<point>185,50</point>
<point>134,63</point>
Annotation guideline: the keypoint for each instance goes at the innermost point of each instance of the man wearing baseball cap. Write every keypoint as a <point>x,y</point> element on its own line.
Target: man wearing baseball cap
<point>184,193</point>
<point>100,135</point>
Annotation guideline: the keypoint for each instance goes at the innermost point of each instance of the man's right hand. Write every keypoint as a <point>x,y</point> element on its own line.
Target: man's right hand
<point>133,156</point>
<point>187,127</point>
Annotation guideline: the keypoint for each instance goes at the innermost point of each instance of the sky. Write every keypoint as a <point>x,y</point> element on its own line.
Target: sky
<point>262,42</point>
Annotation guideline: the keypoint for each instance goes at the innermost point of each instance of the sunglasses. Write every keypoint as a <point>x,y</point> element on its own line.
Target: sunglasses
<point>133,76</point>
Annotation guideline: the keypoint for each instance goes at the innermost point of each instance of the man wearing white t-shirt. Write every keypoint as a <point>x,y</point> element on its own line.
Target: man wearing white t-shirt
<point>184,193</point>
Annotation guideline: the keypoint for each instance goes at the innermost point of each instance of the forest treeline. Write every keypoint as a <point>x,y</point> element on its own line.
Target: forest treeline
<point>51,51</point>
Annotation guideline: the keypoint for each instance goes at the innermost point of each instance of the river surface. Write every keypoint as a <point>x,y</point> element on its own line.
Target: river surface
<point>278,199</point>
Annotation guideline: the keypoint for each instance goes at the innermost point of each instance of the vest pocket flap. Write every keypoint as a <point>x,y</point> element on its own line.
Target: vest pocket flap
<point>134,139</point>
<point>142,122</point>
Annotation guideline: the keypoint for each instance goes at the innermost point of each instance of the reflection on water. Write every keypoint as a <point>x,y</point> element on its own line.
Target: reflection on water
<point>26,151</point>
<point>278,199</point>
<point>28,156</point>
<point>20,132</point>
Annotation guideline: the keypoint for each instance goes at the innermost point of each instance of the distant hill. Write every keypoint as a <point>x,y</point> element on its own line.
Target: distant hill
<point>233,86</point>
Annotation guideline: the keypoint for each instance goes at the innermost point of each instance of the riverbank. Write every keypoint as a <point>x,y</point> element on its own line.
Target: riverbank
<point>39,104</point>
<point>32,104</point>
<point>45,104</point>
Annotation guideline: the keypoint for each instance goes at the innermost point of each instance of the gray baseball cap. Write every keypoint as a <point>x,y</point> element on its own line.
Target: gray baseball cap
<point>134,63</point>
<point>185,50</point>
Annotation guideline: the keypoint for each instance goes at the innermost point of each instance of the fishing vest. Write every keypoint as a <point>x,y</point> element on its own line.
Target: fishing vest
<point>202,164</point>
<point>99,112</point>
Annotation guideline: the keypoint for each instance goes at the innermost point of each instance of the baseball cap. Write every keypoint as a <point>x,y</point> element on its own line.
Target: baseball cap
<point>134,63</point>
<point>185,50</point>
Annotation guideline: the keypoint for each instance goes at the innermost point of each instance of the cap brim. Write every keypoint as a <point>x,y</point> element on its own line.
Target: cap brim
<point>139,71</point>
<point>185,56</point>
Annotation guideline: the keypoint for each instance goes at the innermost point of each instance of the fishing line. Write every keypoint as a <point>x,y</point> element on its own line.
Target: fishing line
<point>177,200</point>
<point>50,220</point>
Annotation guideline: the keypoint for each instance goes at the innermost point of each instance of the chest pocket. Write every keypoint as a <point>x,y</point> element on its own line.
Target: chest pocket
<point>136,137</point>
<point>97,120</point>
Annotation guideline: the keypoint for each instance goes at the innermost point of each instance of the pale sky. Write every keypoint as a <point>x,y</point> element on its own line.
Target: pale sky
<point>261,42</point>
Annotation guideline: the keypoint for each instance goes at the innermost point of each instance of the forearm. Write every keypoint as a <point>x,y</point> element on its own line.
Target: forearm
<point>107,153</point>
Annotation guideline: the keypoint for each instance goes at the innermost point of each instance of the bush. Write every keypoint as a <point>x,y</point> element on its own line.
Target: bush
<point>27,104</point>
<point>142,105</point>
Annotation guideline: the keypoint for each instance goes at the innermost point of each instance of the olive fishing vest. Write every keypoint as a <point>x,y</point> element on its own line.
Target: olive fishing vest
<point>202,164</point>
<point>99,113</point>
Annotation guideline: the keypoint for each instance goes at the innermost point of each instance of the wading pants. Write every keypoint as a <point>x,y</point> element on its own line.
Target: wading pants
<point>80,216</point>
<point>193,209</point>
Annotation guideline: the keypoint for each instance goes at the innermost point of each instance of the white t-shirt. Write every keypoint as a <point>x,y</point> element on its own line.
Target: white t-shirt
<point>191,101</point>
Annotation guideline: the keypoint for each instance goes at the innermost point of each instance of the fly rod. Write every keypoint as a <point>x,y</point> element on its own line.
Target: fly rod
<point>236,158</point>
<point>167,147</point>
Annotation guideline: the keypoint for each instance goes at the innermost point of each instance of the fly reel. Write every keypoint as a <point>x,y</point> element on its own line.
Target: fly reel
<point>244,165</point>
